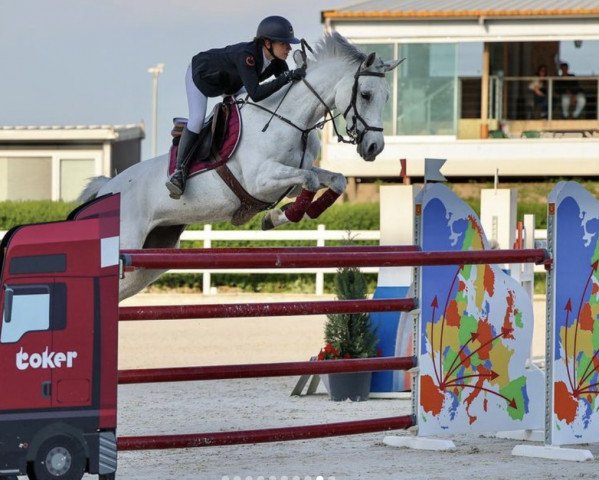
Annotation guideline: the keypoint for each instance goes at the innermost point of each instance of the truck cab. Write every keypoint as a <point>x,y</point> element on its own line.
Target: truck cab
<point>58,345</point>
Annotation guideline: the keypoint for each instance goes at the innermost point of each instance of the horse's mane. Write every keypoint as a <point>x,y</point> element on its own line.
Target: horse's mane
<point>335,46</point>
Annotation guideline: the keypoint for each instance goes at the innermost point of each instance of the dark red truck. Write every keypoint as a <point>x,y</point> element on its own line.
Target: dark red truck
<point>58,345</point>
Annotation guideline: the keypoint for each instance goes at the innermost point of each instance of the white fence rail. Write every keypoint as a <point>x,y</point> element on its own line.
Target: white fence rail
<point>319,236</point>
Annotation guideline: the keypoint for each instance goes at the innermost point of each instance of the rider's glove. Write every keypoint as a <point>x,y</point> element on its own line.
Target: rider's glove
<point>295,75</point>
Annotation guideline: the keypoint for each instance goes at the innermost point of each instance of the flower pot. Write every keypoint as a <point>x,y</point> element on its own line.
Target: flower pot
<point>355,386</point>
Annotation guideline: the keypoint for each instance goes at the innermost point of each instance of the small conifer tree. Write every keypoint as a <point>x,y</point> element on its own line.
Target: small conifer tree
<point>349,335</point>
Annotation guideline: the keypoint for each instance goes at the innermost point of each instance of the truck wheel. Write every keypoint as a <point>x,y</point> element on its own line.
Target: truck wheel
<point>58,458</point>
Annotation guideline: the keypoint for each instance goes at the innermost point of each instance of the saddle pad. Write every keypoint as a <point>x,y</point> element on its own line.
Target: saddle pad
<point>232,136</point>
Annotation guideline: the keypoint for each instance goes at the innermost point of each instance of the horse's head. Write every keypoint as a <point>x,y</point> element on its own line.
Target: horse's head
<point>362,99</point>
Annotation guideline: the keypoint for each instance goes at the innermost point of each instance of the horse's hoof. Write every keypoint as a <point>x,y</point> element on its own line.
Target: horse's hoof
<point>267,223</point>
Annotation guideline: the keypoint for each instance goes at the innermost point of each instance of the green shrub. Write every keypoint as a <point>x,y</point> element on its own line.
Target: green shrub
<point>33,211</point>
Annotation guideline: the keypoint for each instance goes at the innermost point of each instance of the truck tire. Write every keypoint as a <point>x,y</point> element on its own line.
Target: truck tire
<point>58,458</point>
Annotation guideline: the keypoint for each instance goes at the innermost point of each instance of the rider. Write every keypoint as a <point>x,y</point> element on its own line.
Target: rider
<point>232,70</point>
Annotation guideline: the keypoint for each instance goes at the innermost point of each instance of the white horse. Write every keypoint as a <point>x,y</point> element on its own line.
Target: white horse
<point>268,164</point>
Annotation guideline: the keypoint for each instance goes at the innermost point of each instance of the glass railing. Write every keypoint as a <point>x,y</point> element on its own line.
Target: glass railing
<point>563,98</point>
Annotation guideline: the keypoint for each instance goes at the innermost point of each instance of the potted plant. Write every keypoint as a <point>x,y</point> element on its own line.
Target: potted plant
<point>349,335</point>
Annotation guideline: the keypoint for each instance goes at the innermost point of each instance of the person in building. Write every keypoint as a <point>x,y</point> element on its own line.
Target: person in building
<point>234,70</point>
<point>538,87</point>
<point>571,94</point>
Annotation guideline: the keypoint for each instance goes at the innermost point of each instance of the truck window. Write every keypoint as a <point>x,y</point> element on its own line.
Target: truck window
<point>38,264</point>
<point>29,308</point>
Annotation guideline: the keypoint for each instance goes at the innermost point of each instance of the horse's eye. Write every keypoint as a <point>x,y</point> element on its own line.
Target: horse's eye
<point>366,96</point>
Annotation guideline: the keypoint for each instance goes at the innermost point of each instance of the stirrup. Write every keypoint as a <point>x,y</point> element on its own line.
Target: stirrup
<point>175,189</point>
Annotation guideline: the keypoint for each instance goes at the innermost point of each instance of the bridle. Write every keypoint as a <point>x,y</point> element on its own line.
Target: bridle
<point>352,131</point>
<point>355,135</point>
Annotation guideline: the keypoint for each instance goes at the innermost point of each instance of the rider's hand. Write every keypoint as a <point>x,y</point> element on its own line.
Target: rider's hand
<point>296,75</point>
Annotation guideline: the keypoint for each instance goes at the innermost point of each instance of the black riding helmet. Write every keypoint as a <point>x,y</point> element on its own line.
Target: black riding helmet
<point>276,28</point>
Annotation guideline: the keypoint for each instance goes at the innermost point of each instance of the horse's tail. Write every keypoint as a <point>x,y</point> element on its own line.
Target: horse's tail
<point>92,188</point>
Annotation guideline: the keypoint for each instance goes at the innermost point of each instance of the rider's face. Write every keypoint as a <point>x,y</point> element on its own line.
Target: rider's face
<point>280,49</point>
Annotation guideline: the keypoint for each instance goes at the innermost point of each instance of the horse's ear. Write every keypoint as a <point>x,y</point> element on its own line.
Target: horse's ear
<point>388,66</point>
<point>369,60</point>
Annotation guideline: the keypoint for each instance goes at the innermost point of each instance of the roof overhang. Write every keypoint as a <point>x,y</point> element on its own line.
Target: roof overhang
<point>464,28</point>
<point>523,14</point>
<point>65,134</point>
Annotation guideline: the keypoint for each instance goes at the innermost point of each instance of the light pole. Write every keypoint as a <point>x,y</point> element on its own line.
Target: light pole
<point>155,71</point>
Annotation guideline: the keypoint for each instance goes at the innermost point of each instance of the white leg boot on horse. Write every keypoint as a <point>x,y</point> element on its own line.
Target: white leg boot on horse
<point>176,182</point>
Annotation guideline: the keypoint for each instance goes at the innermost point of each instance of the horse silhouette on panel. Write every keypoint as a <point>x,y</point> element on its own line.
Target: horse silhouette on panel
<point>269,163</point>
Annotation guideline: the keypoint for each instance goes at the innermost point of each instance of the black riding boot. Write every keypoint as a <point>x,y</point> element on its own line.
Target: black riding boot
<point>176,182</point>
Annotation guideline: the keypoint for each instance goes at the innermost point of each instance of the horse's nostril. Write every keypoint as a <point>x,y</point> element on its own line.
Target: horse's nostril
<point>372,148</point>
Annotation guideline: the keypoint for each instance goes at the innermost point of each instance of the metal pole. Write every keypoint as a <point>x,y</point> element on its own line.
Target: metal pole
<point>155,71</point>
<point>262,370</point>
<point>230,310</point>
<point>265,259</point>
<point>190,440</point>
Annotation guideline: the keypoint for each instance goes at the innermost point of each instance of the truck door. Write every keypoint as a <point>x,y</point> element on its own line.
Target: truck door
<point>72,382</point>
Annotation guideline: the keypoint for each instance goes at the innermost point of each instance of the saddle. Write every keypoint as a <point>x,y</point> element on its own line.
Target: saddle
<point>217,140</point>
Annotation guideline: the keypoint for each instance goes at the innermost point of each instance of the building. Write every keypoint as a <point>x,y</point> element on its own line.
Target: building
<point>463,92</point>
<point>54,162</point>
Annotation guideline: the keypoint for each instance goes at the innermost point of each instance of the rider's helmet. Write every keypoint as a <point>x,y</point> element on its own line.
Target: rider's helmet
<point>276,28</point>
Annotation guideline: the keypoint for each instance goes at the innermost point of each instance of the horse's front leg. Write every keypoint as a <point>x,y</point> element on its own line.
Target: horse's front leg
<point>336,184</point>
<point>282,176</point>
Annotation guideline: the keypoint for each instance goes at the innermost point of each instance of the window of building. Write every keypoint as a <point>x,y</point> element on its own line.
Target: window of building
<point>26,178</point>
<point>74,175</point>
<point>427,89</point>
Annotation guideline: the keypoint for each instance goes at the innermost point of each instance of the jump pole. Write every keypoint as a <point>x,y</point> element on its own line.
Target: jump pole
<point>262,258</point>
<point>265,435</point>
<point>234,310</point>
<point>261,370</point>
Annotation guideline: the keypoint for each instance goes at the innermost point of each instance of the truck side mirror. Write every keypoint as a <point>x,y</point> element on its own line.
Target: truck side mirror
<point>8,296</point>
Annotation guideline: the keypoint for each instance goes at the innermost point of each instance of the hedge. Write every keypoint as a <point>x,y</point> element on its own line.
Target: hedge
<point>345,216</point>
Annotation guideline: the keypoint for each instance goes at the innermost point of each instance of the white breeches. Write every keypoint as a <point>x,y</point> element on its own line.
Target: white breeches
<point>580,103</point>
<point>196,102</point>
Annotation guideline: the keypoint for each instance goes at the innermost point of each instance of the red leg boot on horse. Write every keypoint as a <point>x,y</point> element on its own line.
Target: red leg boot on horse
<point>322,203</point>
<point>176,182</point>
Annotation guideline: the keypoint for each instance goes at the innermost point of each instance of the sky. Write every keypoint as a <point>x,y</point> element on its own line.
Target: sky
<point>85,62</point>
